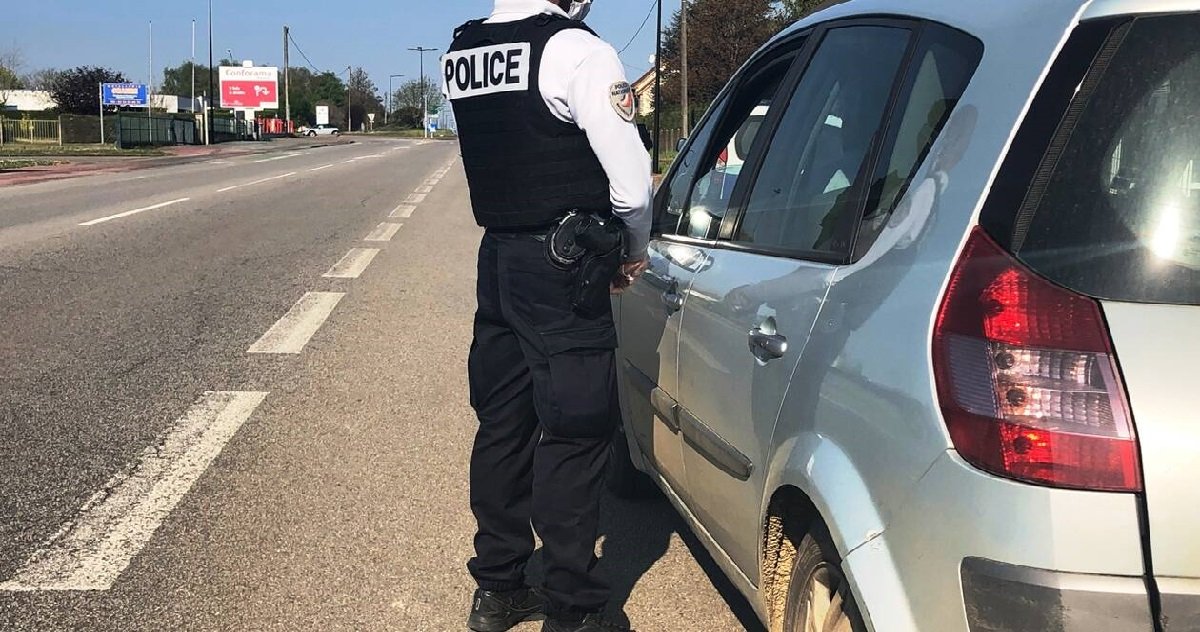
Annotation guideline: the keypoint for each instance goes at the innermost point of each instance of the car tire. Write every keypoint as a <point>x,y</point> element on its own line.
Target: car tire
<point>312,134</point>
<point>623,479</point>
<point>336,133</point>
<point>819,595</point>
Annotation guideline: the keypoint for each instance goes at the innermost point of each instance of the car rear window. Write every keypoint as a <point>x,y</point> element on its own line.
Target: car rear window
<point>1101,192</point>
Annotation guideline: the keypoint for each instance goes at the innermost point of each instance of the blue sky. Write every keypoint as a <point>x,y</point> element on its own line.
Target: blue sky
<point>374,34</point>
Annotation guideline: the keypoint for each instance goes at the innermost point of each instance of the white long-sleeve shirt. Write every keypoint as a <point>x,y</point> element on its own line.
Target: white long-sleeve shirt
<point>577,77</point>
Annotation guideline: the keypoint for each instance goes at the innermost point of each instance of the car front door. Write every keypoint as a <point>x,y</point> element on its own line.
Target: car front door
<point>649,314</point>
<point>749,314</point>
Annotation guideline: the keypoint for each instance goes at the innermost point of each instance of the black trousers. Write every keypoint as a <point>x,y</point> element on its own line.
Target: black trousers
<point>543,384</point>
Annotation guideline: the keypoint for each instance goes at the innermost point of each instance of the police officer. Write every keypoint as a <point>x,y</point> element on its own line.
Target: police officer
<point>560,180</point>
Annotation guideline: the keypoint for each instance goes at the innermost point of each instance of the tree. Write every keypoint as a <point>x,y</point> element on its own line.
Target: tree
<point>792,10</point>
<point>177,80</point>
<point>364,98</point>
<point>77,91</point>
<point>10,69</point>
<point>722,34</point>
<point>406,102</point>
<point>41,79</point>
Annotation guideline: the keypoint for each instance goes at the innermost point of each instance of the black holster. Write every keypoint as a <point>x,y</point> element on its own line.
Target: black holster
<point>594,249</point>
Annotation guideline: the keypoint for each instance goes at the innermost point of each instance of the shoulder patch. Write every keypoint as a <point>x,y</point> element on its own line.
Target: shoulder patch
<point>621,95</point>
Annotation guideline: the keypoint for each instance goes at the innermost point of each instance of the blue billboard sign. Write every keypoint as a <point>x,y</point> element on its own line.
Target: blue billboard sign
<point>127,94</point>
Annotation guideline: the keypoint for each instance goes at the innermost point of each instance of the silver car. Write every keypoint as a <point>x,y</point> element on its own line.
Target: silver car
<point>922,362</point>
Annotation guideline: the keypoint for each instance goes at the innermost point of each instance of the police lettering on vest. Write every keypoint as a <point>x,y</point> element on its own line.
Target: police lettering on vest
<point>487,70</point>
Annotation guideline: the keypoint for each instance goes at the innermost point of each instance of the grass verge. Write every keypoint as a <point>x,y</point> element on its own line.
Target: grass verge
<point>75,150</point>
<point>11,165</point>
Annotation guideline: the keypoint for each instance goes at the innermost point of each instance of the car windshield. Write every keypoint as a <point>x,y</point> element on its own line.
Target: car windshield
<point>1119,217</point>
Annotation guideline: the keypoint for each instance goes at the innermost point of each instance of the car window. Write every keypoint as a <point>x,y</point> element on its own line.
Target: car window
<point>942,66</point>
<point>700,193</point>
<point>1101,192</point>
<point>804,198</point>
<point>675,191</point>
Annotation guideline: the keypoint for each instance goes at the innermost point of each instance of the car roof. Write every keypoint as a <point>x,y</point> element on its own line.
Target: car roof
<point>1000,18</point>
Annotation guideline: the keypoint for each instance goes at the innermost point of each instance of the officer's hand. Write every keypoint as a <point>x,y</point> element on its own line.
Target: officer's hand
<point>629,272</point>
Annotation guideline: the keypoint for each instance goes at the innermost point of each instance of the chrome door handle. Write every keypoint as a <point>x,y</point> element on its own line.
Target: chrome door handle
<point>768,346</point>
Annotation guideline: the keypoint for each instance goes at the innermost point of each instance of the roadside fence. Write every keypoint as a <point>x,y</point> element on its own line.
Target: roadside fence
<point>28,131</point>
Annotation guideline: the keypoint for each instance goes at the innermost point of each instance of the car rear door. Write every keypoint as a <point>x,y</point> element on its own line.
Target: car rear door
<point>749,315</point>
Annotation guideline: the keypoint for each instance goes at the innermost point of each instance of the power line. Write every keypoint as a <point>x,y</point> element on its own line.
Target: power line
<point>298,50</point>
<point>653,5</point>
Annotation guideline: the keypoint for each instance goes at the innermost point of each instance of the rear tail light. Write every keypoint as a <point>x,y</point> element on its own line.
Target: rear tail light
<point>1027,378</point>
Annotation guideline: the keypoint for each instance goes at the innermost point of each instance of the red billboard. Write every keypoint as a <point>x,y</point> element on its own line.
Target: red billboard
<point>250,88</point>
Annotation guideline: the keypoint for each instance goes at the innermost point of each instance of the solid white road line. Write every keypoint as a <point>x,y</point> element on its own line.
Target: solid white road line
<point>383,232</point>
<point>91,551</point>
<point>415,198</point>
<point>292,332</point>
<point>133,212</point>
<point>250,184</point>
<point>321,167</point>
<point>353,264</point>
<point>404,211</point>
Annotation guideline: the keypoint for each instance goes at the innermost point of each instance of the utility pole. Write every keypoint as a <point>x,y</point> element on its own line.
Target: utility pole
<point>349,80</point>
<point>193,108</point>
<point>208,121</point>
<point>388,108</point>
<point>683,20</point>
<point>424,97</point>
<point>287,84</point>
<point>658,92</point>
<point>150,89</point>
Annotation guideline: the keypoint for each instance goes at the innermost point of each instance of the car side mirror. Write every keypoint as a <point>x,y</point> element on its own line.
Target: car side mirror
<point>680,145</point>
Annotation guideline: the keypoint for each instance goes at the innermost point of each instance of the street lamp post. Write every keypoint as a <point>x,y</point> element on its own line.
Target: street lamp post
<point>658,92</point>
<point>209,124</point>
<point>424,97</point>
<point>389,98</point>
<point>349,79</point>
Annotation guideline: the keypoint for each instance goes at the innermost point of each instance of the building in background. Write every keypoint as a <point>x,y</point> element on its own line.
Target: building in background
<point>26,100</point>
<point>643,93</point>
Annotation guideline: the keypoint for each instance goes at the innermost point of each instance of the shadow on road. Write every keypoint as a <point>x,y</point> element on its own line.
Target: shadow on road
<point>636,535</point>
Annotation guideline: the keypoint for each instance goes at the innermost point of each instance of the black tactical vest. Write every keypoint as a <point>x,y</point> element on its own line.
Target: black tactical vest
<point>525,167</point>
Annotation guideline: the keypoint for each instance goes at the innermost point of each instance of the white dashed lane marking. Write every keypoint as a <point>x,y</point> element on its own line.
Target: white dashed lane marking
<point>291,333</point>
<point>321,167</point>
<point>425,189</point>
<point>273,159</point>
<point>415,198</point>
<point>404,211</point>
<point>353,264</point>
<point>383,232</point>
<point>250,184</point>
<point>135,211</point>
<point>91,551</point>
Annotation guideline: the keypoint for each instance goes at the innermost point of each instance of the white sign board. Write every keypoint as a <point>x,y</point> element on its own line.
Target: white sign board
<point>322,115</point>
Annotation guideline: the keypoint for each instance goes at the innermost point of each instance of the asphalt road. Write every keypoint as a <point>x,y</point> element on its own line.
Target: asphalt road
<point>233,397</point>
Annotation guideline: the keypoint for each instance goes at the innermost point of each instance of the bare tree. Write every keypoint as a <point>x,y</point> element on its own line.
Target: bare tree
<point>41,79</point>
<point>11,63</point>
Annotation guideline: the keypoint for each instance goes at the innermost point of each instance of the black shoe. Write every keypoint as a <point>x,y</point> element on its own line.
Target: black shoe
<point>590,623</point>
<point>501,611</point>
